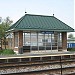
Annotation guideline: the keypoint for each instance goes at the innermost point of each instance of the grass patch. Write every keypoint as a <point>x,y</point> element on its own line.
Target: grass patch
<point>7,52</point>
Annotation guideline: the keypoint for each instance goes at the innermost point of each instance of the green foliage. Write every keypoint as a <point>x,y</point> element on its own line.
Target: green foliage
<point>7,52</point>
<point>4,26</point>
<point>71,49</point>
<point>70,36</point>
<point>1,51</point>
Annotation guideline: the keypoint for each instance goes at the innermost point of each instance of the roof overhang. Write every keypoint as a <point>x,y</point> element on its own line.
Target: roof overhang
<point>14,30</point>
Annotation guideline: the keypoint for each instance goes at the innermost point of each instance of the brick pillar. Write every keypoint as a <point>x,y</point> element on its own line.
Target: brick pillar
<point>19,41</point>
<point>20,37</point>
<point>15,47</point>
<point>64,40</point>
<point>55,38</point>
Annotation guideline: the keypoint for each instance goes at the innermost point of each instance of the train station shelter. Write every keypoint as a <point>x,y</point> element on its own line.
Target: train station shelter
<point>36,33</point>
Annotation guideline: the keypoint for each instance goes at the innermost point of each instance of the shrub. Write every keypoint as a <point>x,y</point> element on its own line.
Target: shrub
<point>7,52</point>
<point>1,51</point>
<point>71,49</point>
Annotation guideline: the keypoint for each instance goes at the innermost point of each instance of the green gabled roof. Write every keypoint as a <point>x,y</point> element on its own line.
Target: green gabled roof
<point>40,23</point>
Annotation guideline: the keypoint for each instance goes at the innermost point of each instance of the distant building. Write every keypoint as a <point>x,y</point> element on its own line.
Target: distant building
<point>39,33</point>
<point>71,43</point>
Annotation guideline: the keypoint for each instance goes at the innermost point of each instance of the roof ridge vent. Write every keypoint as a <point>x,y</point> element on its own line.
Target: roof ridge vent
<point>53,14</point>
<point>25,11</point>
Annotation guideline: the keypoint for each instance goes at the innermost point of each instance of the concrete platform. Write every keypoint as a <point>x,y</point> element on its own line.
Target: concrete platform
<point>37,54</point>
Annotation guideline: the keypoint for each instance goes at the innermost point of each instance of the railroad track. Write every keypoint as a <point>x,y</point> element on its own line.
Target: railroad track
<point>46,63</point>
<point>44,71</point>
<point>11,64</point>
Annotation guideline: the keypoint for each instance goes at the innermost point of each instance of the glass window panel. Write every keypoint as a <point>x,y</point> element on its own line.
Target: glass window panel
<point>40,34</point>
<point>52,38</point>
<point>27,39</point>
<point>40,39</point>
<point>40,44</point>
<point>60,40</point>
<point>23,39</point>
<point>33,39</point>
<point>46,40</point>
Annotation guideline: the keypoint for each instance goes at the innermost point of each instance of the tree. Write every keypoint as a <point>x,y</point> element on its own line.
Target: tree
<point>3,28</point>
<point>70,36</point>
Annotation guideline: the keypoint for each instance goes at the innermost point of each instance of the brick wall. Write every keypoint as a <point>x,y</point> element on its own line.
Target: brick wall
<point>20,41</point>
<point>20,35</point>
<point>64,40</point>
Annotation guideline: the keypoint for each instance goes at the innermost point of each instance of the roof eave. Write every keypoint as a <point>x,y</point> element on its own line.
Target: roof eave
<point>43,30</point>
<point>11,30</point>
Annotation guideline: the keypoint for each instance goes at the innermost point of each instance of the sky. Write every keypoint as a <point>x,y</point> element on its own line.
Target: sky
<point>15,9</point>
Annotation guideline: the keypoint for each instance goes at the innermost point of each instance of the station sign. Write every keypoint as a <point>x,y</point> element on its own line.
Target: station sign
<point>47,32</point>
